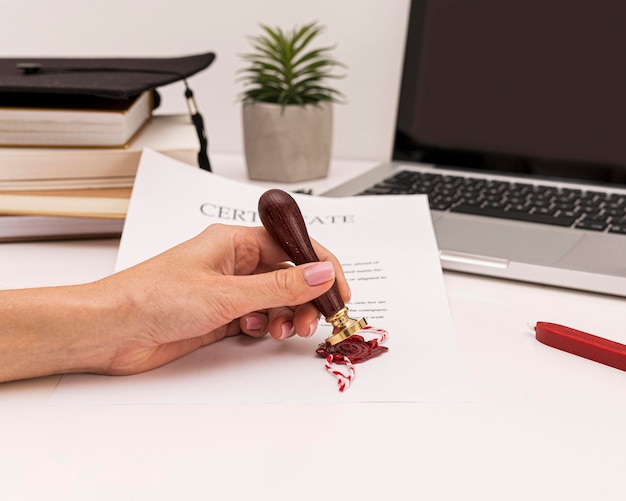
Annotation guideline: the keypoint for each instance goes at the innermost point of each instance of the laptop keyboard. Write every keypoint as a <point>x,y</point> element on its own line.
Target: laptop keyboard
<point>588,210</point>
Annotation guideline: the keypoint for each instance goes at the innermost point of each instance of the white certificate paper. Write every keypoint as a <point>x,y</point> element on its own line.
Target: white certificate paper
<point>387,247</point>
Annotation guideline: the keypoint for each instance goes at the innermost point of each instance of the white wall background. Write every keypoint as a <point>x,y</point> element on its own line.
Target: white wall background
<point>369,35</point>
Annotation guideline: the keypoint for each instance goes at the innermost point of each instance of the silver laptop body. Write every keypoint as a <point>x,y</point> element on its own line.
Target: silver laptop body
<point>567,257</point>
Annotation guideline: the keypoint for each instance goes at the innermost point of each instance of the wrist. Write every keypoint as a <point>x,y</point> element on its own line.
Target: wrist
<point>53,330</point>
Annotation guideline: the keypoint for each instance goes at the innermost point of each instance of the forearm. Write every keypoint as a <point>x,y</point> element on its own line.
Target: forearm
<point>47,331</point>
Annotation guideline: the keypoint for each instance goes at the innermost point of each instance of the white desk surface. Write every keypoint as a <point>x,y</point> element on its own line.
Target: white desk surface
<point>544,424</point>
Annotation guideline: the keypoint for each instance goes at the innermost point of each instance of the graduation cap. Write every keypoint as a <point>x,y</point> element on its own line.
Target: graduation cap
<point>107,78</point>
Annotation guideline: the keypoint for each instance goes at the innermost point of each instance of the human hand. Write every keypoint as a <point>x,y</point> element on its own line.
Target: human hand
<point>226,281</point>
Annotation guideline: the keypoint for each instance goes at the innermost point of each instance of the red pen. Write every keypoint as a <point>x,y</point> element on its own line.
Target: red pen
<point>582,344</point>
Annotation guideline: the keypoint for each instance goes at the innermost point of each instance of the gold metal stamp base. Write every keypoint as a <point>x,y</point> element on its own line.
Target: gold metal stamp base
<point>343,326</point>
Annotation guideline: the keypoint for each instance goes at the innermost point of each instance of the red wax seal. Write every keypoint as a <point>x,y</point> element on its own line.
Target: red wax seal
<point>353,348</point>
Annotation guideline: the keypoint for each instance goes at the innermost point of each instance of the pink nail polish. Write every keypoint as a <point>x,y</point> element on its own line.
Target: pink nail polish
<point>253,323</point>
<point>286,330</point>
<point>313,327</point>
<point>318,273</point>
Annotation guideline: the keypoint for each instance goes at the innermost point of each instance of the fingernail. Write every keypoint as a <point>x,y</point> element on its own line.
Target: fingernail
<point>319,273</point>
<point>286,330</point>
<point>313,327</point>
<point>253,323</point>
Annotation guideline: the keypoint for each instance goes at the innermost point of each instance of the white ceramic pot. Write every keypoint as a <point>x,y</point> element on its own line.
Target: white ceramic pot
<point>287,144</point>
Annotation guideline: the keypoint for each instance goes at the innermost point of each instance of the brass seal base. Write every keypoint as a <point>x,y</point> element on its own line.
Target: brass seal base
<point>343,326</point>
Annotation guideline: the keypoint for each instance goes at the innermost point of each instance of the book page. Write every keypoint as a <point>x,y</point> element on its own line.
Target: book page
<point>387,247</point>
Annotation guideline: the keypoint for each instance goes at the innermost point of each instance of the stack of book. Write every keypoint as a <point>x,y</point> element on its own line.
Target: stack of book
<point>68,173</point>
<point>71,134</point>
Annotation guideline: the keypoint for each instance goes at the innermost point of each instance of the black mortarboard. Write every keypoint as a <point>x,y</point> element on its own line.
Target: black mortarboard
<point>113,78</point>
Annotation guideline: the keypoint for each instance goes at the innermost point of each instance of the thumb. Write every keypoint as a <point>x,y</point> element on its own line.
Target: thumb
<point>284,287</point>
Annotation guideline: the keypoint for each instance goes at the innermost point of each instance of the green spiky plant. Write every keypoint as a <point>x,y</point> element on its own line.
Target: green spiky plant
<point>283,69</point>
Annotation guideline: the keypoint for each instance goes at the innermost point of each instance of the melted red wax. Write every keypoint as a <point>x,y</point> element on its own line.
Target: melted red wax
<point>353,348</point>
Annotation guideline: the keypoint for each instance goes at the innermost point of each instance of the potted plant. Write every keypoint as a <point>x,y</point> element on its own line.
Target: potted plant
<point>287,105</point>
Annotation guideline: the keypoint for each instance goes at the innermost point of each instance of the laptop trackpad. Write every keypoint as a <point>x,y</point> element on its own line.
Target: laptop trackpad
<point>503,239</point>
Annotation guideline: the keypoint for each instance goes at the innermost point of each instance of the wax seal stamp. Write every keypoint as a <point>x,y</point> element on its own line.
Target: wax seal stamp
<point>283,220</point>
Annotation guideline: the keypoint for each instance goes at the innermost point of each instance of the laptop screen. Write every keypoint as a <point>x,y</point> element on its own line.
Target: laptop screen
<point>517,86</point>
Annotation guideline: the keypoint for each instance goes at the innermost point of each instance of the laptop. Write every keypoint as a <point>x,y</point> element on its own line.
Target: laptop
<point>512,119</point>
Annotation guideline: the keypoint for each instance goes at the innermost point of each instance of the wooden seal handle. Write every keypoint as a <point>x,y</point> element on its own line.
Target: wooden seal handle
<point>283,220</point>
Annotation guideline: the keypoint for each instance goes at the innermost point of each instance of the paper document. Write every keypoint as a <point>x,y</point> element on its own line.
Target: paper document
<point>388,251</point>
